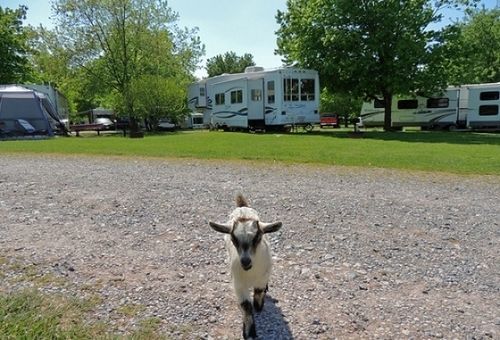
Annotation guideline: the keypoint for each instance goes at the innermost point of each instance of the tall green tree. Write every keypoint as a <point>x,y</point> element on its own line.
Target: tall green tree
<point>474,57</point>
<point>129,39</point>
<point>51,63</point>
<point>344,105</point>
<point>369,48</point>
<point>228,62</point>
<point>14,65</point>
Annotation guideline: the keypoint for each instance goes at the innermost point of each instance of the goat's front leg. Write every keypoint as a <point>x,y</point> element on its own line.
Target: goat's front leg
<point>249,331</point>
<point>258,298</point>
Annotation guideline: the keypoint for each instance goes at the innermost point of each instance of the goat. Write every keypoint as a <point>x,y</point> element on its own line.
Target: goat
<point>249,257</point>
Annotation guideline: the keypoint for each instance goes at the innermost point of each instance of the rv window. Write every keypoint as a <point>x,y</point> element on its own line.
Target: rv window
<point>256,95</point>
<point>490,95</point>
<point>488,110</point>
<point>307,89</point>
<point>270,92</point>
<point>287,89</point>
<point>219,99</point>
<point>295,90</point>
<point>290,89</point>
<point>24,106</point>
<point>378,103</point>
<point>236,97</point>
<point>407,104</point>
<point>433,103</point>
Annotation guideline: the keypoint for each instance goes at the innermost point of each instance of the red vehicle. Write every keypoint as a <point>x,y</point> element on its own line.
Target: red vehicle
<point>329,119</point>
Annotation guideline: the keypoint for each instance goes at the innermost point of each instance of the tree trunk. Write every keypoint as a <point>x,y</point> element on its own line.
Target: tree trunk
<point>387,111</point>
<point>135,129</point>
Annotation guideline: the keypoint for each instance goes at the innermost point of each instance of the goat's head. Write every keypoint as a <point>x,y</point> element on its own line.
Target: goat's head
<point>246,235</point>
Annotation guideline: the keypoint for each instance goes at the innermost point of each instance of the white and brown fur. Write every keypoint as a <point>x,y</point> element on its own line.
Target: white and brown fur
<point>250,259</point>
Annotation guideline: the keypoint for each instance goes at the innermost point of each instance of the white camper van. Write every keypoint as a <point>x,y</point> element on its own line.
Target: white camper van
<point>467,106</point>
<point>258,98</point>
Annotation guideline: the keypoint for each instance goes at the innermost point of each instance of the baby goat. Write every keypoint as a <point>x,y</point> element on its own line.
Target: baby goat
<point>250,259</point>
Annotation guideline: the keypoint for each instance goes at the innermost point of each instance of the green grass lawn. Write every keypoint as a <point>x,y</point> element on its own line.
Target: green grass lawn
<point>464,153</point>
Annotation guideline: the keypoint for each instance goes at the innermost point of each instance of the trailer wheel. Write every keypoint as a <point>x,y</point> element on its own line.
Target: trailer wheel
<point>308,127</point>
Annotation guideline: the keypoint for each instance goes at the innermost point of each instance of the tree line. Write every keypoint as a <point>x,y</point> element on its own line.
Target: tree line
<point>132,56</point>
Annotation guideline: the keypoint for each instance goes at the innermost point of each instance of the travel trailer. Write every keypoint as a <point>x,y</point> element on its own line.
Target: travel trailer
<point>57,99</point>
<point>193,120</point>
<point>466,107</point>
<point>27,113</point>
<point>258,99</point>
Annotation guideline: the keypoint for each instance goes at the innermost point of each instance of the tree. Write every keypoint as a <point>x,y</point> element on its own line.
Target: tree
<point>228,63</point>
<point>369,48</point>
<point>474,57</point>
<point>129,39</point>
<point>13,46</point>
<point>343,104</point>
<point>159,97</point>
<point>51,63</point>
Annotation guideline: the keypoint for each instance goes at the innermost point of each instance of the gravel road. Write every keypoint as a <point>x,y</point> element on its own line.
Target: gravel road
<point>363,253</point>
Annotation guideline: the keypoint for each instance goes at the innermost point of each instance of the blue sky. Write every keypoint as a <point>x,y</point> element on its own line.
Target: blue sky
<point>242,26</point>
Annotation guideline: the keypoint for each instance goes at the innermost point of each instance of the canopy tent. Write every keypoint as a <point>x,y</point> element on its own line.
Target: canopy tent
<point>25,112</point>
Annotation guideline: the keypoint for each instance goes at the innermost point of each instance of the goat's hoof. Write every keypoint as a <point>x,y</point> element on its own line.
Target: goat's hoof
<point>252,334</point>
<point>258,306</point>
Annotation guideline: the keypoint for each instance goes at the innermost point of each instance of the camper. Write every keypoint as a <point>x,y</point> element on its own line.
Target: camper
<point>467,106</point>
<point>258,99</point>
<point>57,99</point>
<point>193,120</point>
<point>479,106</point>
<point>27,113</point>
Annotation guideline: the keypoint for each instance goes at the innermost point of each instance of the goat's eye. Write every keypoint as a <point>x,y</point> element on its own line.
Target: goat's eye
<point>235,241</point>
<point>256,239</point>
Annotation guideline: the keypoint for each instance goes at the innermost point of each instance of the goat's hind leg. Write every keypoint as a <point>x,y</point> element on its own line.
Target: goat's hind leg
<point>259,295</point>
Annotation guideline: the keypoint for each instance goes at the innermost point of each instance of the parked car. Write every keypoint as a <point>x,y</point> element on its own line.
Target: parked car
<point>329,119</point>
<point>108,123</point>
<point>166,125</point>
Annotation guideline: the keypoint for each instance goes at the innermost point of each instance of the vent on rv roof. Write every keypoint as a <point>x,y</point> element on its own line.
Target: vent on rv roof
<point>251,69</point>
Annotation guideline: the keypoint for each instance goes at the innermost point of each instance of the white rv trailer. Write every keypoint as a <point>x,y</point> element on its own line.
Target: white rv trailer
<point>258,98</point>
<point>479,105</point>
<point>468,106</point>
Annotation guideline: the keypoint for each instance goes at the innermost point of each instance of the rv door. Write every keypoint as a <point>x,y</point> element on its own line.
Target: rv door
<point>256,118</point>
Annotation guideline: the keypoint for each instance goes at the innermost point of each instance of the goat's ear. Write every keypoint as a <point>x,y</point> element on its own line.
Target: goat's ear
<point>221,228</point>
<point>270,227</point>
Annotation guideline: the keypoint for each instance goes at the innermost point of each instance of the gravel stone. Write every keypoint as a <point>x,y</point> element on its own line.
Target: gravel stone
<point>363,253</point>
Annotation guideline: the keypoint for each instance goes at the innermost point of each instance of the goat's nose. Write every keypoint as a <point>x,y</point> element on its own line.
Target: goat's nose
<point>246,263</point>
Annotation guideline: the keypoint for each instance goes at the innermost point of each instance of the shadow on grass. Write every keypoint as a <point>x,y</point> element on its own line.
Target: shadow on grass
<point>418,136</point>
<point>270,322</point>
